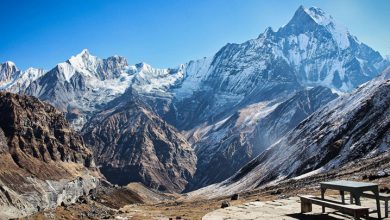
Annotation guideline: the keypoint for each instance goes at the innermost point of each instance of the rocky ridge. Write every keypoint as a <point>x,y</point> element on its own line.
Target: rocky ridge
<point>133,144</point>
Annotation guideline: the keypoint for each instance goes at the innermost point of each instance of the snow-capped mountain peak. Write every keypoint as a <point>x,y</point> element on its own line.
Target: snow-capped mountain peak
<point>9,63</point>
<point>83,57</point>
<point>32,73</point>
<point>309,19</point>
<point>13,79</point>
<point>318,15</point>
<point>84,62</point>
<point>84,52</point>
<point>339,31</point>
<point>93,67</point>
<point>266,34</point>
<point>143,66</point>
<point>8,71</point>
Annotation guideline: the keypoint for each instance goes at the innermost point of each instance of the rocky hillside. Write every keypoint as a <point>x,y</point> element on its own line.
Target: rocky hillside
<point>132,144</point>
<point>289,114</point>
<point>231,143</point>
<point>43,162</point>
<point>352,127</point>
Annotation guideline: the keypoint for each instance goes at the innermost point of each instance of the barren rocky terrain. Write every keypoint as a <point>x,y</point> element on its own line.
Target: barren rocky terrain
<point>137,202</point>
<point>43,162</point>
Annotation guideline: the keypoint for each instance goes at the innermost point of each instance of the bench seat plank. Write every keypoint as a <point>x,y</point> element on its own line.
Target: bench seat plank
<point>354,210</point>
<point>333,204</point>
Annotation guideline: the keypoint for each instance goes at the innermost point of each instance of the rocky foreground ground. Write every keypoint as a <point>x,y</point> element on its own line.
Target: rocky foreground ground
<point>136,202</point>
<point>286,209</point>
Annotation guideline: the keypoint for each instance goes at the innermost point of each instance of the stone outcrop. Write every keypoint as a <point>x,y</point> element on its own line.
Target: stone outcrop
<point>43,162</point>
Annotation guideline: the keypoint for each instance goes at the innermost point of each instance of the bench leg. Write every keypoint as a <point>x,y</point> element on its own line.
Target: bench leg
<point>378,205</point>
<point>306,206</point>
<point>323,197</point>
<point>386,208</point>
<point>357,200</point>
<point>342,196</point>
<point>350,198</point>
<point>357,215</point>
<point>367,215</point>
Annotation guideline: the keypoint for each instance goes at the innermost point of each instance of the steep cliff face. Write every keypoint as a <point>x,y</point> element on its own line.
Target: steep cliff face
<point>43,162</point>
<point>132,144</point>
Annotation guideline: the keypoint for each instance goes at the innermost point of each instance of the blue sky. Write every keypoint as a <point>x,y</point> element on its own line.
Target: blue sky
<point>162,33</point>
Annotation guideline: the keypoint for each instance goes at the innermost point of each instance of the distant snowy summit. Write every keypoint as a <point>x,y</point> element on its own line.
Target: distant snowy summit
<point>321,51</point>
<point>13,79</point>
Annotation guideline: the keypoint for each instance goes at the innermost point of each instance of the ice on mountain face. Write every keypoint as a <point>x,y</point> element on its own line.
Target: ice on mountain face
<point>150,80</point>
<point>339,32</point>
<point>67,70</point>
<point>245,123</point>
<point>8,72</point>
<point>194,73</point>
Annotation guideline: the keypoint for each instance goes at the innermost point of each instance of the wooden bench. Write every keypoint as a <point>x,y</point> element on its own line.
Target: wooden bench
<point>354,210</point>
<point>382,196</point>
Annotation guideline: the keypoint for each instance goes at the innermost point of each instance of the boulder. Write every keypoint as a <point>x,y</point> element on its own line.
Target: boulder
<point>225,204</point>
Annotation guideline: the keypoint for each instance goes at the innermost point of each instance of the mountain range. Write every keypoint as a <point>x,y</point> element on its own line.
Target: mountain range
<point>298,100</point>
